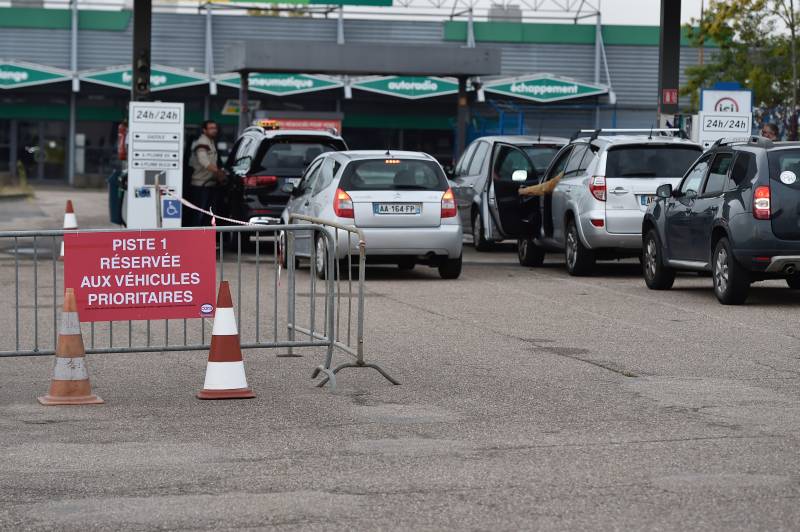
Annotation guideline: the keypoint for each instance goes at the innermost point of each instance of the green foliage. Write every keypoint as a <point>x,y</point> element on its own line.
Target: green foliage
<point>755,44</point>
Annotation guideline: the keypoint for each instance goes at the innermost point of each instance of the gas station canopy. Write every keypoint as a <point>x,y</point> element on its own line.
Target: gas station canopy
<point>262,55</point>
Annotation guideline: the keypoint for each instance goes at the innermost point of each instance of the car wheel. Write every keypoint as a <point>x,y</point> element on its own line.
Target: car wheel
<point>657,275</point>
<point>580,259</point>
<point>450,268</point>
<point>731,282</point>
<point>793,282</point>
<point>282,253</point>
<point>320,256</point>
<point>528,253</point>
<point>478,235</point>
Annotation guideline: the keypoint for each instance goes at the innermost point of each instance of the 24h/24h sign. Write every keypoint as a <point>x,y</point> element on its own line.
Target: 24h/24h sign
<point>544,88</point>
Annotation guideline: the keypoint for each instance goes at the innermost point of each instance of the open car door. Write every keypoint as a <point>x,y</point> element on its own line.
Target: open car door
<point>513,216</point>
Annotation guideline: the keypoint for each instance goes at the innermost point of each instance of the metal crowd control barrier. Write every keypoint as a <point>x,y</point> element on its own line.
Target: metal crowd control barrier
<point>31,283</point>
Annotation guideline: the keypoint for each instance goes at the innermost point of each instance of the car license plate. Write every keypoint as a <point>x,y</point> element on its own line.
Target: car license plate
<point>396,208</point>
<point>647,199</point>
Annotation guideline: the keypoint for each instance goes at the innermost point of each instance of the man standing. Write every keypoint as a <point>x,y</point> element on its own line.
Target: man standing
<point>207,177</point>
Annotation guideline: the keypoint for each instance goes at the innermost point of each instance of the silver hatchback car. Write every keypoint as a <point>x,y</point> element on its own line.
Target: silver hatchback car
<point>401,201</point>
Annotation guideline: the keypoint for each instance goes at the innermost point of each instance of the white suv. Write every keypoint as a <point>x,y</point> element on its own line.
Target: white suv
<point>605,183</point>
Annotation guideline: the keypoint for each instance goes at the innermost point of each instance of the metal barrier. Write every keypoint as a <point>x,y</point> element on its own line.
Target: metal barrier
<point>31,279</point>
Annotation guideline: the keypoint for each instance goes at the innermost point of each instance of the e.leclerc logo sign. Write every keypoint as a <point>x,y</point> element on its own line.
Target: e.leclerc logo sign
<point>544,88</point>
<point>161,78</point>
<point>15,75</point>
<point>281,84</point>
<point>410,87</point>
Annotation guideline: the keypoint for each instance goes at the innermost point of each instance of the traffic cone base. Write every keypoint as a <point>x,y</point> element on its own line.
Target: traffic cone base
<point>225,375</point>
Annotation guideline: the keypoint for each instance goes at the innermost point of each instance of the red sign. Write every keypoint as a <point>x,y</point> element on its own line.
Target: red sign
<point>141,275</point>
<point>670,97</point>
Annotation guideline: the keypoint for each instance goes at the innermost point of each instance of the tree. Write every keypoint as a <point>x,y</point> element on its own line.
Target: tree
<point>756,47</point>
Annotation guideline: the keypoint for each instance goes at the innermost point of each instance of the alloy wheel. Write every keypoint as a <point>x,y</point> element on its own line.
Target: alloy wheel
<point>320,254</point>
<point>721,271</point>
<point>650,258</point>
<point>572,247</point>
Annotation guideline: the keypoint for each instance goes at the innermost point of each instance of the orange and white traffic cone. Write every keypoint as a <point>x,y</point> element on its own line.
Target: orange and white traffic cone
<point>70,384</point>
<point>225,377</point>
<point>70,223</point>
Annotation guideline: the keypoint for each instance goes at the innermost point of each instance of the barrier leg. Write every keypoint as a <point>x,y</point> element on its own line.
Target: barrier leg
<point>290,318</point>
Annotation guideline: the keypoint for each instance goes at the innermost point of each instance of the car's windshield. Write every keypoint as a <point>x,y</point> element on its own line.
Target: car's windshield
<point>290,158</point>
<point>541,156</point>
<point>650,160</point>
<point>393,174</point>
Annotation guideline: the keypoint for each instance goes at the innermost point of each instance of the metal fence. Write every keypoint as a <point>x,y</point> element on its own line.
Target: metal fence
<point>277,307</point>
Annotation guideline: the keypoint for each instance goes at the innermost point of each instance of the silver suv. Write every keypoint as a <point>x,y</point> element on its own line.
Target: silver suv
<point>604,182</point>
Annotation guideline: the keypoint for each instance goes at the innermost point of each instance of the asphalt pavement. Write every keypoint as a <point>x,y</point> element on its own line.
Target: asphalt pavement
<point>530,400</point>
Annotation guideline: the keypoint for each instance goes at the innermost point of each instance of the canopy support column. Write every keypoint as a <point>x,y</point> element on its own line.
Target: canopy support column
<point>244,105</point>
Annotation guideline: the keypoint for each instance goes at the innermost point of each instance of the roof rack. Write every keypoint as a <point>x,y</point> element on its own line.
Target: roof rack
<point>755,140</point>
<point>676,132</point>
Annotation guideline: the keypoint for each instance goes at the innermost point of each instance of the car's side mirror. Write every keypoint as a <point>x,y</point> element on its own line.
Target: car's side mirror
<point>664,191</point>
<point>519,175</point>
<point>289,188</point>
<point>450,172</point>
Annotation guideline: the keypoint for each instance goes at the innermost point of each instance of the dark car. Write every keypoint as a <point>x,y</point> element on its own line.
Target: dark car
<point>736,214</point>
<point>486,180</point>
<point>263,162</point>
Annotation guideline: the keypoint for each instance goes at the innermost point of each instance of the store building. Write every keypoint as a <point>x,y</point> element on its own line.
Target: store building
<point>554,79</point>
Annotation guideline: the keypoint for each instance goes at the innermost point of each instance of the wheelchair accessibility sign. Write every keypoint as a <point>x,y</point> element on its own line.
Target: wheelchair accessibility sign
<point>171,208</point>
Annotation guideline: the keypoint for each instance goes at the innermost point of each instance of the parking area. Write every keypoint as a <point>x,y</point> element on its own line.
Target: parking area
<point>529,399</point>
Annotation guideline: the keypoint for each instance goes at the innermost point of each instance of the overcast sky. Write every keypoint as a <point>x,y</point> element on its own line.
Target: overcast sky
<point>644,12</point>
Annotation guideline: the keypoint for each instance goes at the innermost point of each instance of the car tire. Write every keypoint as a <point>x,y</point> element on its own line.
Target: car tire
<point>793,282</point>
<point>731,281</point>
<point>450,268</point>
<point>657,275</point>
<point>282,256</point>
<point>478,234</point>
<point>528,253</point>
<point>320,257</point>
<point>579,259</point>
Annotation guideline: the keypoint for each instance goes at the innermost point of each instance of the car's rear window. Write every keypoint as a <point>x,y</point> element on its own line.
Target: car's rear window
<point>393,174</point>
<point>784,166</point>
<point>289,158</point>
<point>650,161</point>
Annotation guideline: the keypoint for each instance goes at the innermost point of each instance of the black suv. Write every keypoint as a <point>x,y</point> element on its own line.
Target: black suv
<point>736,214</point>
<point>264,161</point>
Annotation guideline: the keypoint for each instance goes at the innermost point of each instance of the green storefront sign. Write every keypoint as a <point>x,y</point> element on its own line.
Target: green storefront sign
<point>281,84</point>
<point>544,88</point>
<point>410,87</point>
<point>14,74</point>
<point>161,78</point>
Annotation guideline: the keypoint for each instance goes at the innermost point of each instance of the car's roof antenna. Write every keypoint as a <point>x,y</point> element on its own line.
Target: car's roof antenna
<point>650,136</point>
<point>540,132</point>
<point>388,151</point>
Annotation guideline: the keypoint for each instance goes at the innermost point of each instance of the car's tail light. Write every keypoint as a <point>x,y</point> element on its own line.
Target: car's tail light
<point>761,206</point>
<point>449,209</point>
<point>597,222</point>
<point>259,180</point>
<point>597,186</point>
<point>343,204</point>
